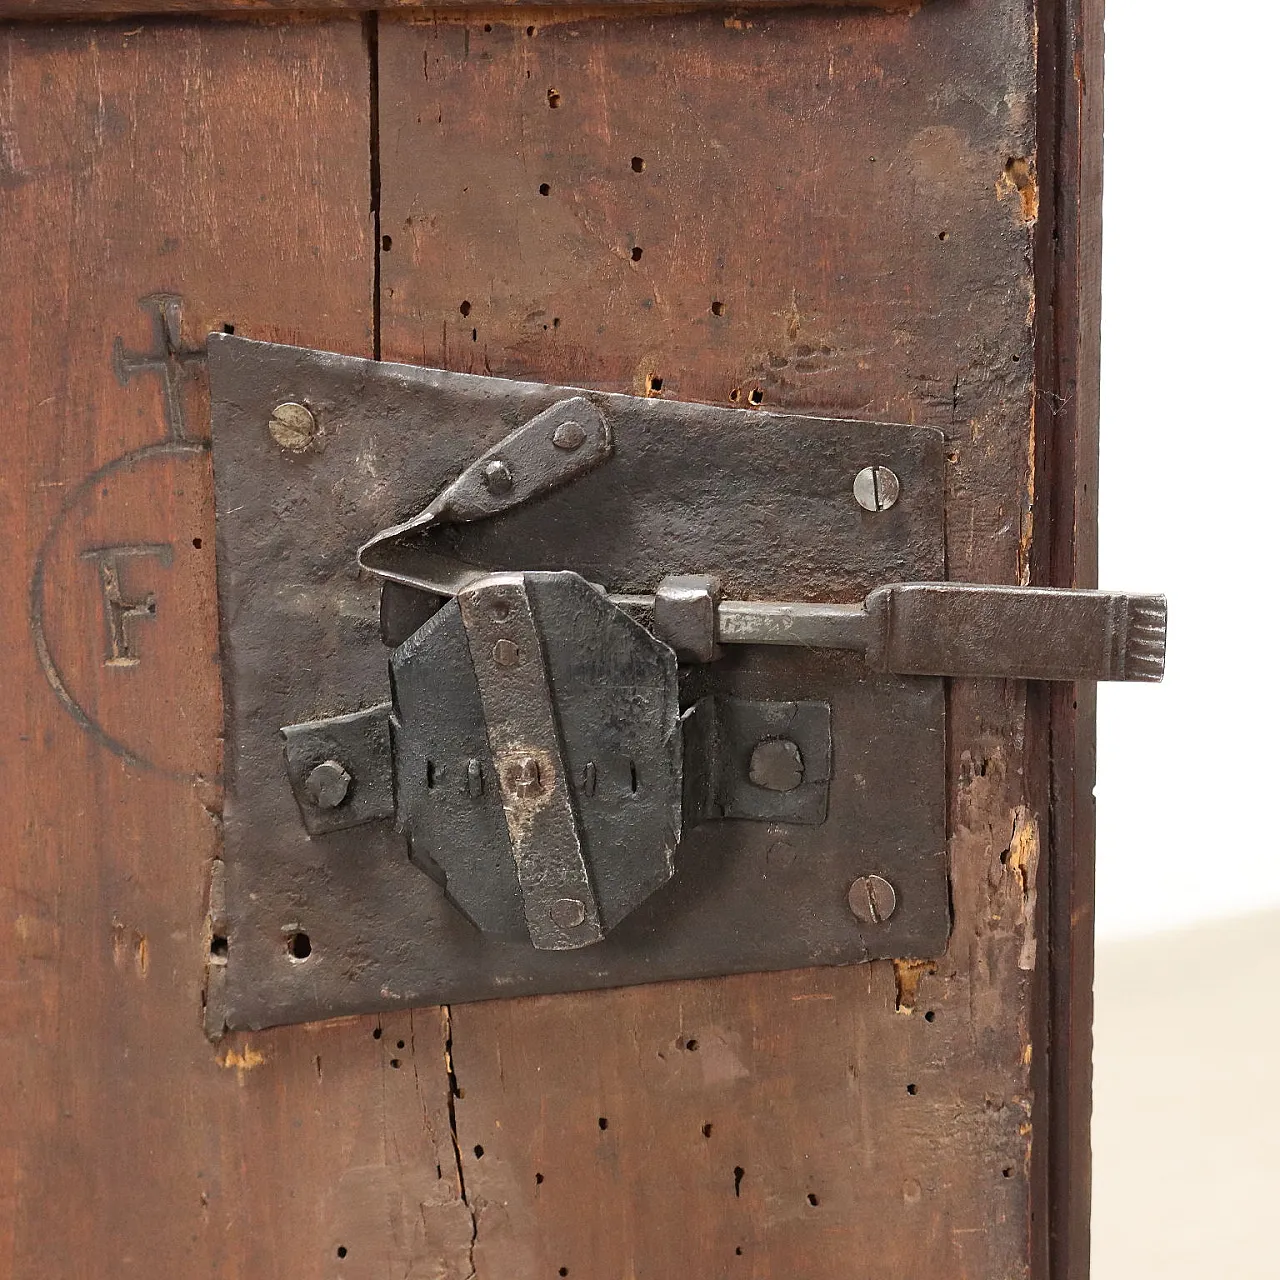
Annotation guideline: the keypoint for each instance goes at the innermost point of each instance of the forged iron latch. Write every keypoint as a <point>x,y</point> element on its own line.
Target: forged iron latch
<point>534,751</point>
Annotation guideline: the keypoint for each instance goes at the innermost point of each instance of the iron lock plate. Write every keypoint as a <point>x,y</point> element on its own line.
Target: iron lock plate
<point>763,501</point>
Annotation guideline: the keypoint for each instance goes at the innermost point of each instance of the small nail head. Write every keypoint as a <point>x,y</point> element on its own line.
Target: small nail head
<point>292,426</point>
<point>569,436</point>
<point>876,488</point>
<point>567,913</point>
<point>506,653</point>
<point>328,784</point>
<point>872,899</point>
<point>497,477</point>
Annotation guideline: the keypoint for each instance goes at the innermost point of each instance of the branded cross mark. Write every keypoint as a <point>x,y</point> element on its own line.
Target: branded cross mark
<point>169,357</point>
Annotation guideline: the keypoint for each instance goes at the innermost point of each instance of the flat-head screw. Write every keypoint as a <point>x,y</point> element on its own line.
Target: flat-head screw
<point>292,426</point>
<point>872,899</point>
<point>876,488</point>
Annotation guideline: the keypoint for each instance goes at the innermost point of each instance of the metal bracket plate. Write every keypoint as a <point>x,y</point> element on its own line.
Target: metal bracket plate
<point>762,501</point>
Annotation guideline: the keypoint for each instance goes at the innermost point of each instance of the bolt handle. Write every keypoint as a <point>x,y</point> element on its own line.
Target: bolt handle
<point>1017,633</point>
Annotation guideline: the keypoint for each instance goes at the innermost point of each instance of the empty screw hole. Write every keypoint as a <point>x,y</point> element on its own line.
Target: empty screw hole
<point>218,946</point>
<point>488,26</point>
<point>395,1064</point>
<point>637,253</point>
<point>603,1123</point>
<point>654,384</point>
<point>197,543</point>
<point>706,1129</point>
<point>691,1045</point>
<point>911,1089</point>
<point>564,1271</point>
<point>717,308</point>
<point>930,1016</point>
<point>299,946</point>
<point>399,1044</point>
<point>738,1251</point>
<point>464,307</point>
<point>637,164</point>
<point>479,1150</point>
<point>553,99</point>
<point>735,395</point>
<point>377,1033</point>
<point>386,244</point>
<point>1006,1173</point>
<point>538,1179</point>
<point>529,30</point>
<point>756,395</point>
<point>944,235</point>
<point>738,1174</point>
<point>228,328</point>
<point>544,188</point>
<point>342,1251</point>
<point>813,1200</point>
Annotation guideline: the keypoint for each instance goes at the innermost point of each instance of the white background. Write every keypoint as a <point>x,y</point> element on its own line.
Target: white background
<point>1186,1131</point>
<point>1190,487</point>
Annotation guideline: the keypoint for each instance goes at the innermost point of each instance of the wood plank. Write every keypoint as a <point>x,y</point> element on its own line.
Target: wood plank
<point>518,12</point>
<point>226,165</point>
<point>1068,361</point>
<point>820,211</point>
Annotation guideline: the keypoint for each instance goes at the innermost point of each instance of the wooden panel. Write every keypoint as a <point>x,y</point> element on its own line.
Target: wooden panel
<point>825,211</point>
<point>516,11</point>
<point>227,165</point>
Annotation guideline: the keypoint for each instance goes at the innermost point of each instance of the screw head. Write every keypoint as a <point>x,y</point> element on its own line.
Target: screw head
<point>569,436</point>
<point>776,765</point>
<point>567,913</point>
<point>292,426</point>
<point>328,784</point>
<point>506,653</point>
<point>497,477</point>
<point>876,488</point>
<point>872,899</point>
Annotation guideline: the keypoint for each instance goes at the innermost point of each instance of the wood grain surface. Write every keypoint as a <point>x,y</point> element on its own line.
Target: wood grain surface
<point>517,12</point>
<point>825,210</point>
<point>828,212</point>
<point>228,165</point>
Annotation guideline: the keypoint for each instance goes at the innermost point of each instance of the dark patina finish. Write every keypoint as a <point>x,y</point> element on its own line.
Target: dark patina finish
<point>763,502</point>
<point>536,757</point>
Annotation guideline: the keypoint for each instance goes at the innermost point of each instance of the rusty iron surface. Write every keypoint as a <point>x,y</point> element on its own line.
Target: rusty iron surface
<point>763,501</point>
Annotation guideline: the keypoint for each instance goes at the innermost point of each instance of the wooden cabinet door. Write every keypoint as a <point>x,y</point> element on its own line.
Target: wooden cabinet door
<point>879,213</point>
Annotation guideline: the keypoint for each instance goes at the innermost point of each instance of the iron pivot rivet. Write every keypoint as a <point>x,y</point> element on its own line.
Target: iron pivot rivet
<point>776,765</point>
<point>506,653</point>
<point>524,777</point>
<point>569,436</point>
<point>876,488</point>
<point>292,426</point>
<point>872,899</point>
<point>567,913</point>
<point>328,784</point>
<point>497,477</point>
